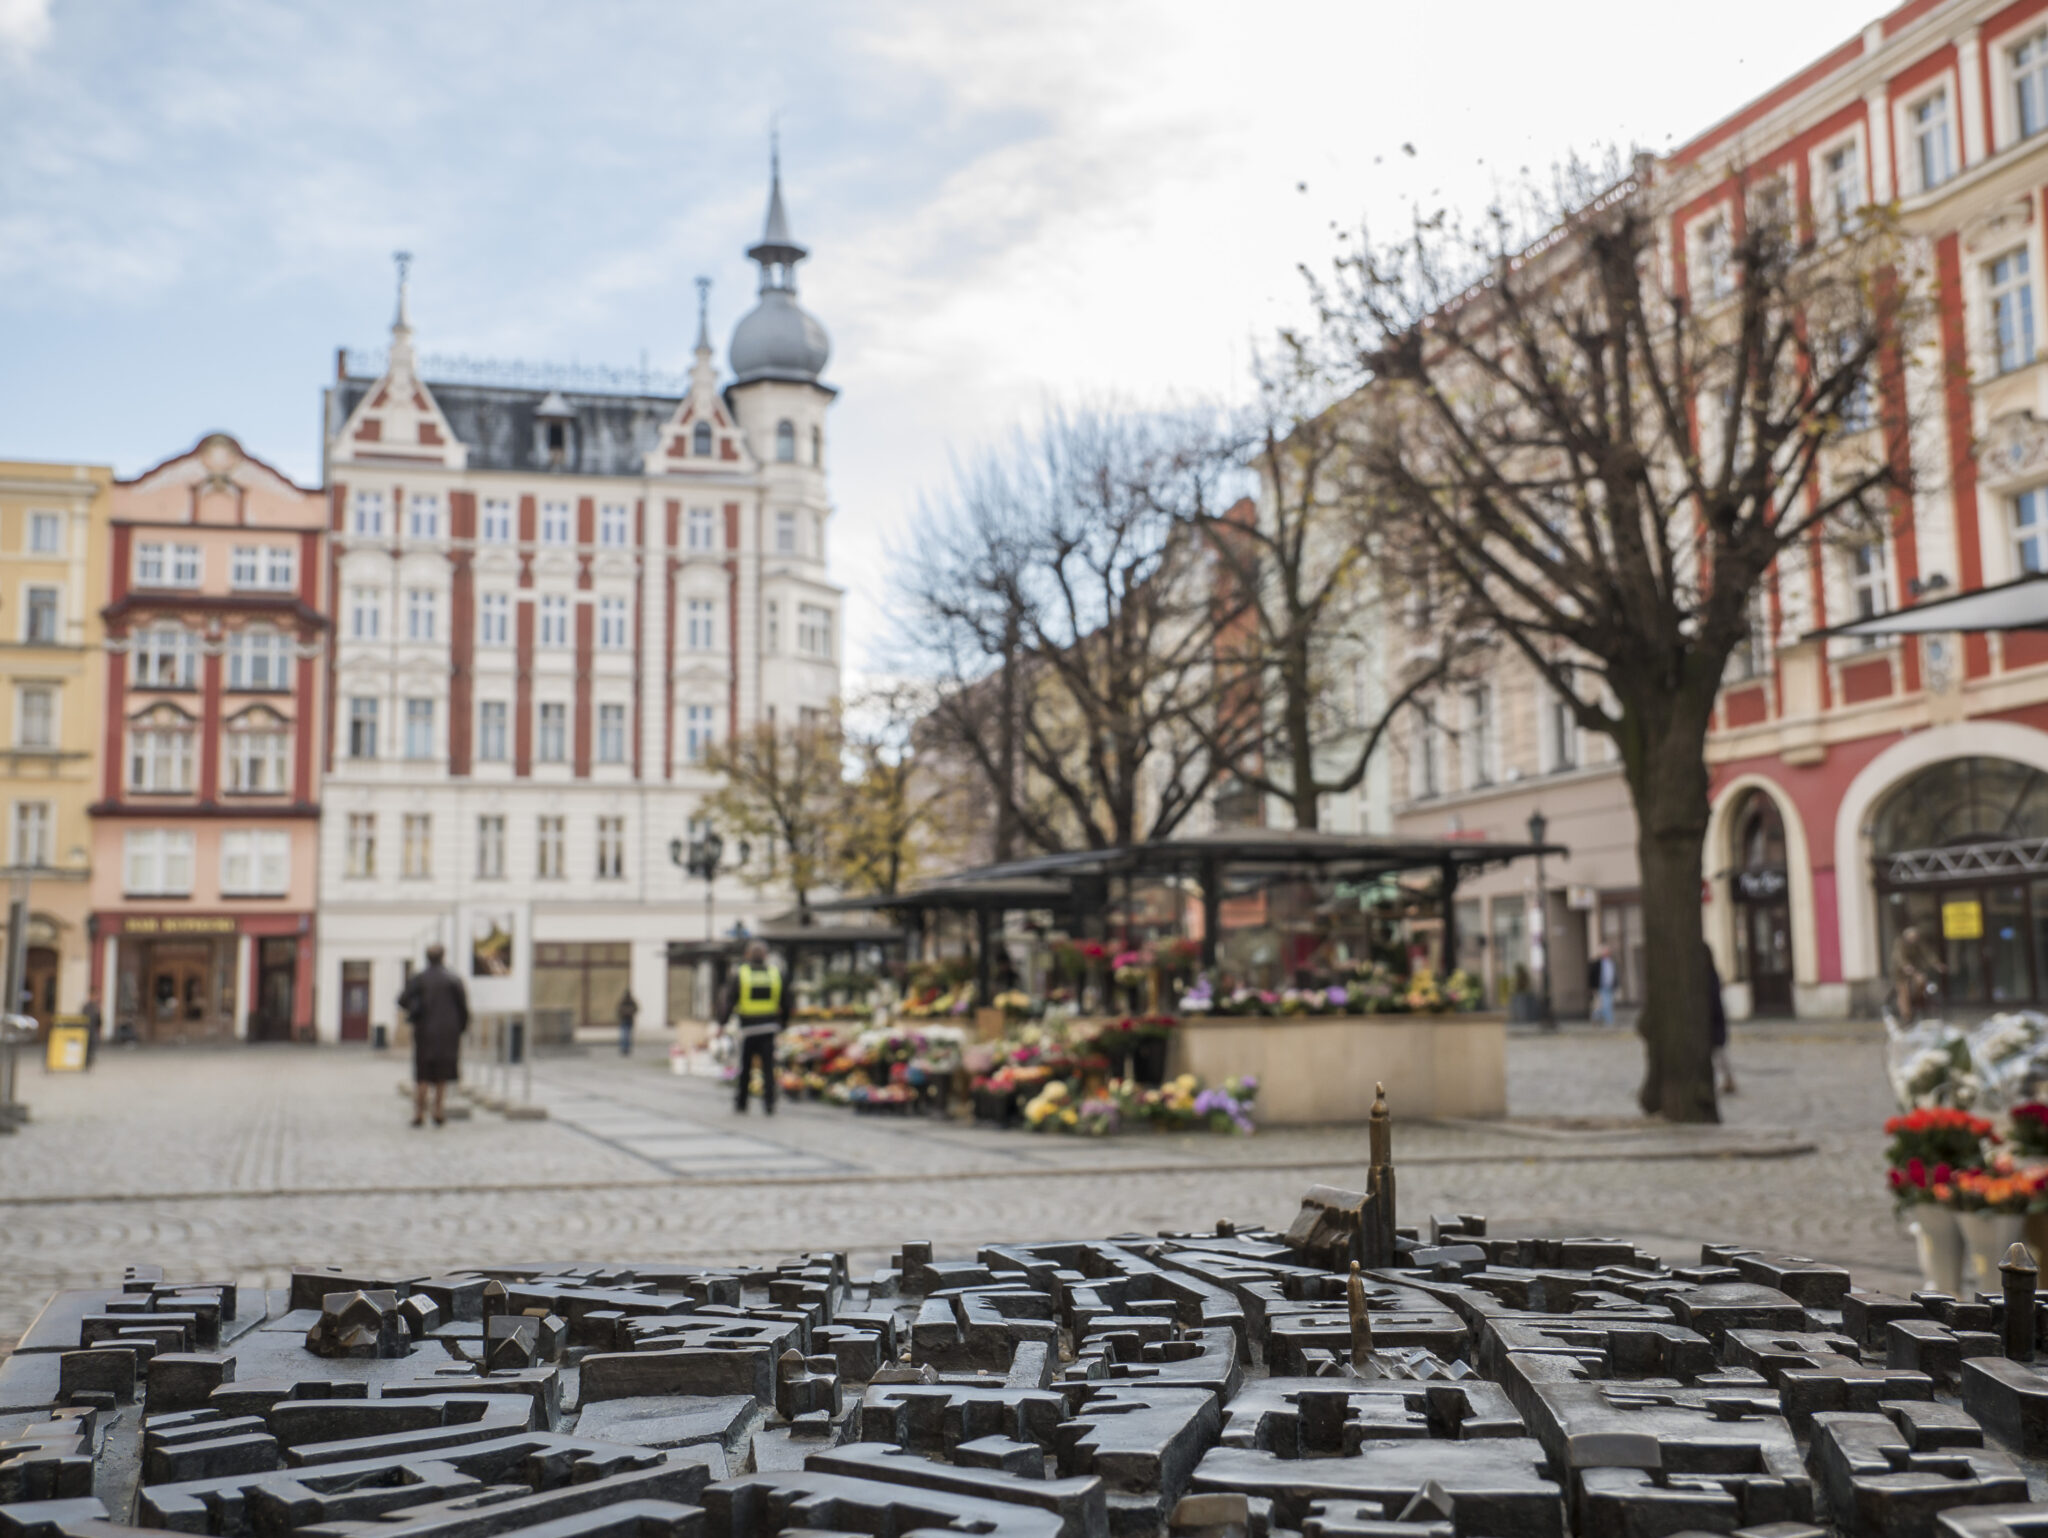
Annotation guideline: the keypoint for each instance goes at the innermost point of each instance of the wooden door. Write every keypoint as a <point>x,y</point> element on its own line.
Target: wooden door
<point>355,1001</point>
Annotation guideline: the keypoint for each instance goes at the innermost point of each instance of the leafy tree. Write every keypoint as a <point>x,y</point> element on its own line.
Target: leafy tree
<point>781,792</point>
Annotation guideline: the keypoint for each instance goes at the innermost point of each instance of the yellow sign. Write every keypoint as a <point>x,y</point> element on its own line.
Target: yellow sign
<point>65,1052</point>
<point>178,926</point>
<point>1962,921</point>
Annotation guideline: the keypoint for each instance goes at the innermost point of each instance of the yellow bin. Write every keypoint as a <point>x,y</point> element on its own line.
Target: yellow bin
<point>65,1051</point>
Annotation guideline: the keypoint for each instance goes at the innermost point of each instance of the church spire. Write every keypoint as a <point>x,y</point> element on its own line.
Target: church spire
<point>703,316</point>
<point>401,322</point>
<point>777,251</point>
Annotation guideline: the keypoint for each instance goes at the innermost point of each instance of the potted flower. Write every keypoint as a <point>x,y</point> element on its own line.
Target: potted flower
<point>1991,1211</point>
<point>1149,1047</point>
<point>1928,1148</point>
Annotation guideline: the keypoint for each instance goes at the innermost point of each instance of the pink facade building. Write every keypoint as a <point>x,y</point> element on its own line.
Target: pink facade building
<point>206,831</point>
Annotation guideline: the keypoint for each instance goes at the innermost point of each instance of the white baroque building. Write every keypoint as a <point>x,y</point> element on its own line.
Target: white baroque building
<point>547,605</point>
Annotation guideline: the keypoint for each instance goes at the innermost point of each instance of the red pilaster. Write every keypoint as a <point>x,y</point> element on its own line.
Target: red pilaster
<point>461,631</point>
<point>522,697</point>
<point>1955,359</point>
<point>303,730</point>
<point>586,618</point>
<point>209,730</point>
<point>527,516</point>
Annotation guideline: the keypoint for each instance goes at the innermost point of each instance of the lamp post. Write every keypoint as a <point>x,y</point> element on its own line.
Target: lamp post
<point>1538,826</point>
<point>702,857</point>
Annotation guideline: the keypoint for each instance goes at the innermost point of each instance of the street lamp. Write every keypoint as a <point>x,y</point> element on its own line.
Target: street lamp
<point>1538,826</point>
<point>702,857</point>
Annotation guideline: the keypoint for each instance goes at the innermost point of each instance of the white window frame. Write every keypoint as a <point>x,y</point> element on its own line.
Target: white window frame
<point>551,732</point>
<point>700,723</point>
<point>1841,189</point>
<point>494,620</point>
<point>48,599</point>
<point>416,846</point>
<point>490,846</point>
<point>557,523</point>
<point>188,566</point>
<point>611,848</point>
<point>39,523</point>
<point>255,862</point>
<point>157,862</point>
<point>23,714</point>
<point>253,643</point>
<point>548,847</point>
<point>419,728</point>
<point>259,757</point>
<point>1930,140</point>
<point>366,516</point>
<point>814,624</point>
<point>611,624</point>
<point>492,734</point>
<point>614,525</point>
<point>701,529</point>
<point>700,624</point>
<point>423,515</point>
<point>365,614</point>
<point>2009,310</point>
<point>164,651</point>
<point>365,727</point>
<point>497,526</point>
<point>1870,590</point>
<point>360,850</point>
<point>611,733</point>
<point>31,835</point>
<point>2027,521</point>
<point>554,620</point>
<point>262,568</point>
<point>162,755</point>
<point>1713,254</point>
<point>2026,65</point>
<point>785,533</point>
<point>422,614</point>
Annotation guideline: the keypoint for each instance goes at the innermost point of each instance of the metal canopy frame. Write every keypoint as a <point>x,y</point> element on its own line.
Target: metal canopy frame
<point>2021,604</point>
<point>1961,862</point>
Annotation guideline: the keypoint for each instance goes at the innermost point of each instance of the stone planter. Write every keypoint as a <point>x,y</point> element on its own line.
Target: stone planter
<point>1317,1069</point>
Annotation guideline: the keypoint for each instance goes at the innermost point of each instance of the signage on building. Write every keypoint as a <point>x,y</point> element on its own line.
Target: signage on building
<point>1762,884</point>
<point>180,924</point>
<point>1962,920</point>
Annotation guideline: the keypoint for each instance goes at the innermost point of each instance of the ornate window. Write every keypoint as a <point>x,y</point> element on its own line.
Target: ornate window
<point>259,753</point>
<point>785,442</point>
<point>259,659</point>
<point>160,751</point>
<point>700,440</point>
<point>165,657</point>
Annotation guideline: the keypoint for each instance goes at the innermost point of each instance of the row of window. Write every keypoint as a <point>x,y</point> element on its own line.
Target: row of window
<point>157,862</point>
<point>163,751</point>
<point>258,568</point>
<point>166,656</point>
<point>1459,733</point>
<point>550,735</point>
<point>550,847</point>
<point>497,525</point>
<point>422,617</point>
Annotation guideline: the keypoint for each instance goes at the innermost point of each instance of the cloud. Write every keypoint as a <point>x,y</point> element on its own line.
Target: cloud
<point>24,27</point>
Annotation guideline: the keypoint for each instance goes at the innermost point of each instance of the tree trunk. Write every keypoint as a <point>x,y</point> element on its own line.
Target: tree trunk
<point>1005,843</point>
<point>1668,782</point>
<point>1297,693</point>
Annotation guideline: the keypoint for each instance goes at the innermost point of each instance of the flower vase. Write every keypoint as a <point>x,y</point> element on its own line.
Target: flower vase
<point>1986,1238</point>
<point>2034,1235</point>
<point>1939,1240</point>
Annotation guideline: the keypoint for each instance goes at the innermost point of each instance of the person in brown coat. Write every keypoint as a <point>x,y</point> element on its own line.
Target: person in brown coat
<point>438,1007</point>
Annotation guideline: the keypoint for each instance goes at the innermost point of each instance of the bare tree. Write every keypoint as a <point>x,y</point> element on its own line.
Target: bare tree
<point>1068,611</point>
<point>1608,454</point>
<point>1310,573</point>
<point>781,791</point>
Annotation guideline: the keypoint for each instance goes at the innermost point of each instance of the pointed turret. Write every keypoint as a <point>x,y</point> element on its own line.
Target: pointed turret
<point>777,339</point>
<point>398,418</point>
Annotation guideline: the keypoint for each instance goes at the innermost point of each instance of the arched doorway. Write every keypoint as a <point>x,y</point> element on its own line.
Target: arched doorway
<point>1960,852</point>
<point>1763,906</point>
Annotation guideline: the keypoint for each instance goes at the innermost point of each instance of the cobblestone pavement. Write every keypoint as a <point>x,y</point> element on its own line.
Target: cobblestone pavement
<point>246,1162</point>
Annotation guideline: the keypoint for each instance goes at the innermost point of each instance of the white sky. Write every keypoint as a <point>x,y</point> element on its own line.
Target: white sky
<point>1008,203</point>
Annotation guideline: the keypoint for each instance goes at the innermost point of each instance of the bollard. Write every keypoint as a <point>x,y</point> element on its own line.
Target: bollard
<point>2018,1275</point>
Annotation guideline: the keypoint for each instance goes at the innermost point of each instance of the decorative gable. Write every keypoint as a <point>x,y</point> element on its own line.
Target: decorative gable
<point>399,421</point>
<point>700,438</point>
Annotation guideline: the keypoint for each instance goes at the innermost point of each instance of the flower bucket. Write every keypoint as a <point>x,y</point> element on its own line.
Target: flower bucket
<point>1148,1061</point>
<point>2034,1235</point>
<point>1986,1237</point>
<point>1940,1243</point>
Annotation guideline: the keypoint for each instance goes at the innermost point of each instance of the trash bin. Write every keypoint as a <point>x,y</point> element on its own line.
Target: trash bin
<point>515,1040</point>
<point>380,1037</point>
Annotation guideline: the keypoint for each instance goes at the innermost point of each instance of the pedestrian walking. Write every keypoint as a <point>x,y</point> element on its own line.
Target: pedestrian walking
<point>1914,967</point>
<point>1600,982</point>
<point>438,1007</point>
<point>1717,1021</point>
<point>757,1000</point>
<point>629,1009</point>
<point>91,1014</point>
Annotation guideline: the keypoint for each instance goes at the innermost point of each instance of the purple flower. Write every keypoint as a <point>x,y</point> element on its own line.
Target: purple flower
<point>1338,996</point>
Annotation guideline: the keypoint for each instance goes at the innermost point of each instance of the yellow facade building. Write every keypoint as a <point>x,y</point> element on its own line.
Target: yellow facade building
<point>53,551</point>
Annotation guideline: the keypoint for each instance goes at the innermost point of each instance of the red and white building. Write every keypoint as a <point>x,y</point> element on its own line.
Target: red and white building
<point>1859,786</point>
<point>206,831</point>
<point>549,604</point>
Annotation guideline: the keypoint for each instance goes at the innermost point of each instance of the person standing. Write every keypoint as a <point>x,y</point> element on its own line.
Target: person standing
<point>757,999</point>
<point>629,1009</point>
<point>436,1003</point>
<point>1717,1021</point>
<point>1914,966</point>
<point>1600,978</point>
<point>91,1014</point>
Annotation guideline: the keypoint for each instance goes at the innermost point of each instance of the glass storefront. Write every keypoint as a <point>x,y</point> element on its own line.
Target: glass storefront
<point>1961,856</point>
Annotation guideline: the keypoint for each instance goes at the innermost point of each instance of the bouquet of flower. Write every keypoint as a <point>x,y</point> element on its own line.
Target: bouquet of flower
<point>2030,1128</point>
<point>1997,1188</point>
<point>1929,1147</point>
<point>1051,1109</point>
<point>1424,997</point>
<point>1098,1117</point>
<point>1131,969</point>
<point>1228,1107</point>
<point>1930,1064</point>
<point>1016,1004</point>
<point>1462,990</point>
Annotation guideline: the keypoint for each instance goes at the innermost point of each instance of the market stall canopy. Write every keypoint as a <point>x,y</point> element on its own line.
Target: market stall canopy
<point>2019,605</point>
<point>786,934</point>
<point>964,893</point>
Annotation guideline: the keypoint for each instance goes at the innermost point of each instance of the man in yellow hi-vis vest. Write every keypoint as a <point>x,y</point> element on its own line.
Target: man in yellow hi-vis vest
<point>757,997</point>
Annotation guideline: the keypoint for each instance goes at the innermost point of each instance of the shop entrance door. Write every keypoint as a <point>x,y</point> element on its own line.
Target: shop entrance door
<point>39,982</point>
<point>178,991</point>
<point>277,976</point>
<point>355,1001</point>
